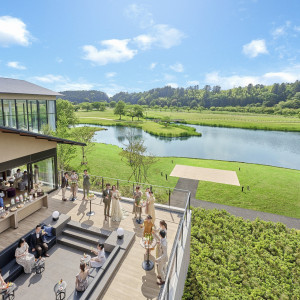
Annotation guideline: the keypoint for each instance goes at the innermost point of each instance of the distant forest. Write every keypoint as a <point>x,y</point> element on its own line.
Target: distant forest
<point>284,95</point>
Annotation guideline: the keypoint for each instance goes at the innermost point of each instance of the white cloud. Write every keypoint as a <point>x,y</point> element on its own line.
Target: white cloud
<point>115,51</point>
<point>49,78</point>
<point>297,28</point>
<point>178,67</point>
<point>254,48</point>
<point>152,66</point>
<point>16,65</point>
<point>59,60</point>
<point>290,74</point>
<point>13,31</point>
<point>172,84</point>
<point>139,13</point>
<point>160,35</point>
<point>74,86</point>
<point>110,74</point>
<point>281,30</point>
<point>193,82</point>
<point>169,77</point>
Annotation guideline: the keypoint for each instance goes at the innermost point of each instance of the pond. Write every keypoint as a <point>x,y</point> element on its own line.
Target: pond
<point>276,148</point>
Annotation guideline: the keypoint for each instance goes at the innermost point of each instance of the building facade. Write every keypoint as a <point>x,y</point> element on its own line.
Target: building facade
<point>25,110</point>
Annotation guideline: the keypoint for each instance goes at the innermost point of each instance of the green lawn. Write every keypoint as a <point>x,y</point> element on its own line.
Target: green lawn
<point>272,189</point>
<point>222,119</point>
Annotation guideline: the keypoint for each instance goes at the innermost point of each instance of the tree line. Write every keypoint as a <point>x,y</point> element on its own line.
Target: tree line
<point>252,98</point>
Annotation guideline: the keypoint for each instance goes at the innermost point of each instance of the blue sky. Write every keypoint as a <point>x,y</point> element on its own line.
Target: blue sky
<point>138,45</point>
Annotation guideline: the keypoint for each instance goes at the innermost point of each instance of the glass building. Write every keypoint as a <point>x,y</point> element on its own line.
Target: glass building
<point>26,110</point>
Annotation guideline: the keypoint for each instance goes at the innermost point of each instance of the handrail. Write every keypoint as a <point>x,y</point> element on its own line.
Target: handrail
<point>165,288</point>
<point>133,182</point>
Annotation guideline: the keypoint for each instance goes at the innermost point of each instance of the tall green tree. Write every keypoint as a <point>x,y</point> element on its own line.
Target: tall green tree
<point>120,109</point>
<point>138,109</point>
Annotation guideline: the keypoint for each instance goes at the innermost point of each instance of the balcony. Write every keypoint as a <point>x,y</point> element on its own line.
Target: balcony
<point>129,281</point>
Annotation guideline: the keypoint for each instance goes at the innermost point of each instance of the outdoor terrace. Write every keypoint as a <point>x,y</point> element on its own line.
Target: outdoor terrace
<point>130,281</point>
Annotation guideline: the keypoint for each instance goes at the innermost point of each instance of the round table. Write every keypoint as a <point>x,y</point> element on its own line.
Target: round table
<point>91,213</point>
<point>60,290</point>
<point>148,264</point>
<point>8,293</point>
<point>39,266</point>
<point>139,207</point>
<point>86,259</point>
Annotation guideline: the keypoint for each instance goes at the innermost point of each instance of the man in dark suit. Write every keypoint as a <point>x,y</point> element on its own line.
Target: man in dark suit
<point>36,242</point>
<point>64,184</point>
<point>106,195</point>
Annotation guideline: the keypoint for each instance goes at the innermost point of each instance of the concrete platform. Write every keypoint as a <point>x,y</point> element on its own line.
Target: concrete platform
<point>206,174</point>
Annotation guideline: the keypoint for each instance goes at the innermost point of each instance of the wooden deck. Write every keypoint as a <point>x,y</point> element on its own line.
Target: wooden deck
<point>130,281</point>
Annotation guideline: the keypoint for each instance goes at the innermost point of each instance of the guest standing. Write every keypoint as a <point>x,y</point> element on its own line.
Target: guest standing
<point>23,258</point>
<point>137,196</point>
<point>148,225</point>
<point>86,184</point>
<point>99,260</point>
<point>163,258</point>
<point>147,201</point>
<point>106,195</point>
<point>116,210</point>
<point>64,185</point>
<point>151,208</point>
<point>18,178</point>
<point>82,279</point>
<point>74,185</point>
<point>36,242</point>
<point>162,226</point>
<point>36,174</point>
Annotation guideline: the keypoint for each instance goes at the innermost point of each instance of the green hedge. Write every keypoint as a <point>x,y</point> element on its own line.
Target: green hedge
<point>236,259</point>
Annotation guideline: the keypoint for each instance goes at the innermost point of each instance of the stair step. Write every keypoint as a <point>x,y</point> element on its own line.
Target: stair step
<point>88,229</point>
<point>83,236</point>
<point>75,243</point>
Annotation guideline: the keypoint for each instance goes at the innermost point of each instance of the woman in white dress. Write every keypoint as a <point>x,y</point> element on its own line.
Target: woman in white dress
<point>23,257</point>
<point>116,210</point>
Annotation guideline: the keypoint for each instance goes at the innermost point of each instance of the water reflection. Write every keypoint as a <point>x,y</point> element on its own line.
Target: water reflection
<point>275,148</point>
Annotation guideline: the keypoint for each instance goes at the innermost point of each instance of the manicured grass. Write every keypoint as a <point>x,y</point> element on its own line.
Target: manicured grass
<point>208,118</point>
<point>230,119</point>
<point>273,190</point>
<point>101,118</point>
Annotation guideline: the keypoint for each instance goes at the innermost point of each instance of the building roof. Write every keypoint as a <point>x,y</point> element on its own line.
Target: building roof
<point>16,86</point>
<point>39,136</point>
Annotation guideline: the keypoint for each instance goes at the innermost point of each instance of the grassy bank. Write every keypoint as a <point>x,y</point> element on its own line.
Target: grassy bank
<point>234,120</point>
<point>154,128</point>
<point>208,118</point>
<point>274,190</point>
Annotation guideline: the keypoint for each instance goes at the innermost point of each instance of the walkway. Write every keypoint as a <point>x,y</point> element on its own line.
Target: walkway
<point>191,185</point>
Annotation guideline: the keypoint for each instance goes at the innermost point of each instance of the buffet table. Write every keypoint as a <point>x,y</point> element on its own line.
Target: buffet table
<point>14,217</point>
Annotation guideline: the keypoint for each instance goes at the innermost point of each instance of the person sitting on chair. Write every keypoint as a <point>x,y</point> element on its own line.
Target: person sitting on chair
<point>99,260</point>
<point>36,242</point>
<point>82,281</point>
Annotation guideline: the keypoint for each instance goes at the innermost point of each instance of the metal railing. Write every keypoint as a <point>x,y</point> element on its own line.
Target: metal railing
<point>163,195</point>
<point>173,259</point>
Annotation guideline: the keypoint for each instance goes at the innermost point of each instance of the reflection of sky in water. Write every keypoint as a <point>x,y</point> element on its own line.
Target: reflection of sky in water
<point>256,146</point>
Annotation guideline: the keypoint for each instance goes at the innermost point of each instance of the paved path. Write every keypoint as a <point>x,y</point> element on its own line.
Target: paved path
<point>191,185</point>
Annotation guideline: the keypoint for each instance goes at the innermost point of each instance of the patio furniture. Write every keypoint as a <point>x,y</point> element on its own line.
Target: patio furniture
<point>148,244</point>
<point>91,213</point>
<point>39,266</point>
<point>60,290</point>
<point>9,293</point>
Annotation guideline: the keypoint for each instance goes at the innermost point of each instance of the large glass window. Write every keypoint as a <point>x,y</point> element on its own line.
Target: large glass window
<point>51,114</point>
<point>42,114</point>
<point>43,174</point>
<point>1,114</point>
<point>33,116</point>
<point>10,113</point>
<point>22,114</point>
